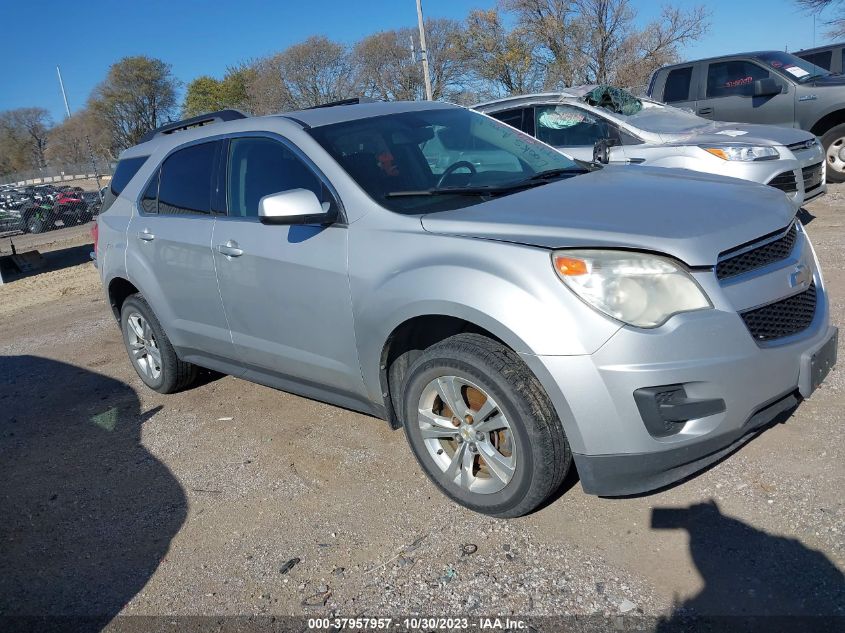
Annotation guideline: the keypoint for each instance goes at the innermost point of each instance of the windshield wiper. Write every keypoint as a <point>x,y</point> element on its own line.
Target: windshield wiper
<point>460,191</point>
<point>560,171</point>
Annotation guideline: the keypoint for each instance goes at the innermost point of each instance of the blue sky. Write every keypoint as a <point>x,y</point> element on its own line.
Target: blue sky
<point>205,37</point>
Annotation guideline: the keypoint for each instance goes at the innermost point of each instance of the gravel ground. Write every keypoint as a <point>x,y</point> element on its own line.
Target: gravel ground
<point>120,500</point>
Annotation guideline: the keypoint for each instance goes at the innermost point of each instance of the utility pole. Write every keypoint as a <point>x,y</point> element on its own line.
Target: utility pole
<point>424,52</point>
<point>64,96</point>
<point>87,139</point>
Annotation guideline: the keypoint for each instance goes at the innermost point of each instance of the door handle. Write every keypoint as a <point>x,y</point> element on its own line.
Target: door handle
<point>146,236</point>
<point>705,111</point>
<point>230,249</point>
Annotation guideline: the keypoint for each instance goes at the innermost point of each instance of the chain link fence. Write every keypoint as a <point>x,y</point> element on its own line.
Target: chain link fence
<point>52,197</point>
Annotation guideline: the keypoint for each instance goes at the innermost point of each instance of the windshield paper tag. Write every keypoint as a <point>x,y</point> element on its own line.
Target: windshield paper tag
<point>732,132</point>
<point>795,71</point>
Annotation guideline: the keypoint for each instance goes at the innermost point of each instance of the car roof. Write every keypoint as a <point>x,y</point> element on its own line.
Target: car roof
<point>311,118</point>
<point>721,57</point>
<point>820,48</point>
<point>574,92</point>
<point>317,117</point>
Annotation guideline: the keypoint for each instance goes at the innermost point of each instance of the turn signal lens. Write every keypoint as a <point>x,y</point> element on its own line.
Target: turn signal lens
<point>717,152</point>
<point>570,267</point>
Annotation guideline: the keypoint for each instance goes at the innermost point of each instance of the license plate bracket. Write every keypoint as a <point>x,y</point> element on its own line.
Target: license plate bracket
<point>816,365</point>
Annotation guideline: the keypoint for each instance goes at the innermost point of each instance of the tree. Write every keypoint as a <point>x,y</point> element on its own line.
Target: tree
<point>69,141</point>
<point>385,68</point>
<point>207,94</point>
<point>598,41</point>
<point>504,61</point>
<point>202,95</point>
<point>23,138</point>
<point>837,24</point>
<point>137,95</point>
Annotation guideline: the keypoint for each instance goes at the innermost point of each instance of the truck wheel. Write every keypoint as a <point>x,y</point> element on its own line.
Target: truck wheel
<point>834,148</point>
<point>482,427</point>
<point>34,224</point>
<point>150,351</point>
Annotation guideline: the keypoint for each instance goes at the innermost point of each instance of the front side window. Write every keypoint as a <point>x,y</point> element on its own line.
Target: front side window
<point>410,162</point>
<point>260,167</point>
<point>734,78</point>
<point>185,180</point>
<point>677,85</point>
<point>568,126</point>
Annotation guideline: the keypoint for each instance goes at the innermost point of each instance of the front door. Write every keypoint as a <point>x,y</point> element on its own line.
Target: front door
<point>729,95</point>
<point>285,289</point>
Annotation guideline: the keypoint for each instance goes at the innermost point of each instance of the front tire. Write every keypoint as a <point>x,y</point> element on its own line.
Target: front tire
<point>150,351</point>
<point>482,427</point>
<point>833,142</point>
<point>34,224</point>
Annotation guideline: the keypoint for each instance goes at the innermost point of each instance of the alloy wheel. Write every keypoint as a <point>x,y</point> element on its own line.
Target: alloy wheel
<point>467,435</point>
<point>143,347</point>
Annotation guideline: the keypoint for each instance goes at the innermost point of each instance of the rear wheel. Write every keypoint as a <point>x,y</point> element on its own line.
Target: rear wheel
<point>834,148</point>
<point>482,427</point>
<point>34,224</point>
<point>150,351</point>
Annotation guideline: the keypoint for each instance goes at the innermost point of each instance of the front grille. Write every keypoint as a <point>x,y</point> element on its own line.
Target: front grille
<point>785,182</point>
<point>802,145</point>
<point>782,318</point>
<point>812,176</point>
<point>757,258</point>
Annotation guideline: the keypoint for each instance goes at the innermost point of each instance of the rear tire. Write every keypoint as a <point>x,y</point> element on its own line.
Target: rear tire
<point>510,454</point>
<point>150,351</point>
<point>34,224</point>
<point>833,142</point>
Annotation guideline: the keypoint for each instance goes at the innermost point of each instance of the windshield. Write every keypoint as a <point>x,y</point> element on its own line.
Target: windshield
<point>429,152</point>
<point>663,119</point>
<point>795,68</point>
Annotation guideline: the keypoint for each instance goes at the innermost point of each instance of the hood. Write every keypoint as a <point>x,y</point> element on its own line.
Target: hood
<point>747,133</point>
<point>689,215</point>
<point>828,80</point>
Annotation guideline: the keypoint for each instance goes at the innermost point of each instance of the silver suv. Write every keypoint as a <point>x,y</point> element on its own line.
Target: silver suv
<point>513,310</point>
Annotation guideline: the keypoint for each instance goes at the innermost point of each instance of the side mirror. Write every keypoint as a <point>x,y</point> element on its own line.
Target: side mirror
<point>295,206</point>
<point>766,87</point>
<point>601,150</point>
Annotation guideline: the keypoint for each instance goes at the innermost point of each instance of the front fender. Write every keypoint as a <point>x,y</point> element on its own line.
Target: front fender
<point>507,289</point>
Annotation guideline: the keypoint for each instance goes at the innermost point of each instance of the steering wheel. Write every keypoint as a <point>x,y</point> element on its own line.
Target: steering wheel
<point>451,169</point>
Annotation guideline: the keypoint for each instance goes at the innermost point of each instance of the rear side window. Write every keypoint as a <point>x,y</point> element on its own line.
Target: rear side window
<point>520,118</point>
<point>123,173</point>
<point>149,203</point>
<point>677,85</point>
<point>734,78</point>
<point>185,180</point>
<point>259,167</point>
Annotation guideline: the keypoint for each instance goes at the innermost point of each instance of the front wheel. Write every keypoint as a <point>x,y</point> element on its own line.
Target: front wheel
<point>833,142</point>
<point>34,224</point>
<point>482,427</point>
<point>150,351</point>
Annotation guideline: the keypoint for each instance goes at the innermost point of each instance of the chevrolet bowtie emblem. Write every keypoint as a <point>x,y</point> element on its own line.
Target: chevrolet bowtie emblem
<point>801,276</point>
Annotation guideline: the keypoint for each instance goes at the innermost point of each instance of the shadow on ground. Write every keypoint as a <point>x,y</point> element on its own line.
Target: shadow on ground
<point>87,512</point>
<point>748,573</point>
<point>42,262</point>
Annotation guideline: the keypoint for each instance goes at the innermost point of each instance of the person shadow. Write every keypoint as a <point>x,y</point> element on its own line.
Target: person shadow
<point>753,580</point>
<point>88,513</point>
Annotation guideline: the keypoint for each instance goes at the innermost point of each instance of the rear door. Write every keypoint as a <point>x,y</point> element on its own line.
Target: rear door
<point>285,288</point>
<point>677,87</point>
<point>728,94</point>
<point>171,257</point>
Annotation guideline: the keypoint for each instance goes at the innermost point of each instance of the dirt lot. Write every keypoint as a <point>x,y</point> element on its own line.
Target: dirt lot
<point>119,500</point>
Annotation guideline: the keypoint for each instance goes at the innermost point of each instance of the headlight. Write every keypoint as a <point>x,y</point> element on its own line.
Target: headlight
<point>635,288</point>
<point>741,152</point>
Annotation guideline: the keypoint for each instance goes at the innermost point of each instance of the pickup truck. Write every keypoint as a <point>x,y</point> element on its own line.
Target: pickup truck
<point>770,87</point>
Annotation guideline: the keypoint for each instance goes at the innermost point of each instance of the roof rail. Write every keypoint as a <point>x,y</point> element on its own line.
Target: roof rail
<point>197,121</point>
<point>350,101</point>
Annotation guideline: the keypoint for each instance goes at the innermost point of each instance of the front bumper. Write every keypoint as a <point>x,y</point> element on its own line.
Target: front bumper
<point>713,355</point>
